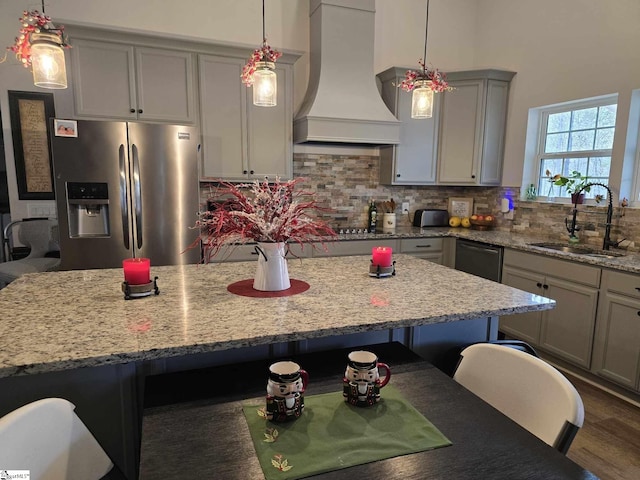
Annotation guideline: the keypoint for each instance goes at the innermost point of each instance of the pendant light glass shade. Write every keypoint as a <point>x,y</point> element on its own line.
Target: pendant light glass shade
<point>422,100</point>
<point>265,85</point>
<point>47,61</point>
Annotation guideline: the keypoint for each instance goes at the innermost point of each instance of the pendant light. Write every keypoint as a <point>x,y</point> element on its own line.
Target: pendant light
<point>422,99</point>
<point>47,61</point>
<point>40,45</point>
<point>259,72</point>
<point>424,83</point>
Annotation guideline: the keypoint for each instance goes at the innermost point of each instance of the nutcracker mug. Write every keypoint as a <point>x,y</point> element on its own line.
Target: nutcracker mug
<point>361,383</point>
<point>285,388</point>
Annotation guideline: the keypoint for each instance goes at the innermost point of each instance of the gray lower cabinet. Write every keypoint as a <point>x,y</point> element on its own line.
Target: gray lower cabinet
<point>431,249</point>
<point>437,249</point>
<point>567,330</point>
<point>616,349</point>
<point>353,247</point>
<point>248,252</point>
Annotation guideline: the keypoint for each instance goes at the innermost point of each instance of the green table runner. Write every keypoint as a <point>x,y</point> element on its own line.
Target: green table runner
<point>331,435</point>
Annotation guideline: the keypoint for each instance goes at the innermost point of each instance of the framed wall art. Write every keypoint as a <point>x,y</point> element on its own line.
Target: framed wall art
<point>30,113</point>
<point>460,207</point>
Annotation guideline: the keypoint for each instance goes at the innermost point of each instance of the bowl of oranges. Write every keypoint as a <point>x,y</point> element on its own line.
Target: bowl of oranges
<point>482,222</point>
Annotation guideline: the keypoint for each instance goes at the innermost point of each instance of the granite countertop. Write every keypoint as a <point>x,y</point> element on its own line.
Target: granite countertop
<point>71,319</point>
<point>628,262</point>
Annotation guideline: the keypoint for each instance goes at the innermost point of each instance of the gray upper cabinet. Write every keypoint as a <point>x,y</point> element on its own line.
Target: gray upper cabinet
<point>472,128</point>
<point>121,81</point>
<point>223,120</point>
<point>242,141</point>
<point>165,85</point>
<point>413,160</point>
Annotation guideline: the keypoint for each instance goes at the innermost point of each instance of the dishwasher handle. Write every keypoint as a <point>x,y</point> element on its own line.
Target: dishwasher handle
<point>491,251</point>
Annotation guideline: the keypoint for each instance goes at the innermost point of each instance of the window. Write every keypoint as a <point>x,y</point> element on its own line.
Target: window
<point>576,137</point>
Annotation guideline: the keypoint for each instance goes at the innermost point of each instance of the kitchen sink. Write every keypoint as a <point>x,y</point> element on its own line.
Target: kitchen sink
<point>563,247</point>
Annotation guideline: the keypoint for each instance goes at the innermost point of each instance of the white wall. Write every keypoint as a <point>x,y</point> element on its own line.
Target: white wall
<point>400,31</point>
<point>562,50</point>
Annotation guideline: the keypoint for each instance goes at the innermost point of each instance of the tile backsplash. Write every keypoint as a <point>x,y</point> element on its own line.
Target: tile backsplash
<point>347,183</point>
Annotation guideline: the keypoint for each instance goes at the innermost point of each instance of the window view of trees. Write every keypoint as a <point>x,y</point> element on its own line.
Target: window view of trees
<point>576,140</point>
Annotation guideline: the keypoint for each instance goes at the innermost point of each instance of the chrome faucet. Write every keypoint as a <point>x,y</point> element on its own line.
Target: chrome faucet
<point>607,242</point>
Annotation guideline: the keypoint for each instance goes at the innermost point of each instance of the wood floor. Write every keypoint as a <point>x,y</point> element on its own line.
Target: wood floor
<point>609,442</point>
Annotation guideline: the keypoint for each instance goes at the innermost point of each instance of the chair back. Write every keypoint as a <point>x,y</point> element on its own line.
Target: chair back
<point>39,235</point>
<point>526,389</point>
<point>47,438</point>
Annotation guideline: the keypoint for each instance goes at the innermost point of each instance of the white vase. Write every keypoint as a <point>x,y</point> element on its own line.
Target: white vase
<point>272,274</point>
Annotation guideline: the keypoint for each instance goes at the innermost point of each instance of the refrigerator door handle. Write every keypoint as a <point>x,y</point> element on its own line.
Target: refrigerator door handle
<point>137,194</point>
<point>124,205</point>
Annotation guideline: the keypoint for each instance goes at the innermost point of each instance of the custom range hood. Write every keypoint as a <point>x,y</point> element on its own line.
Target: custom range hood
<point>342,104</point>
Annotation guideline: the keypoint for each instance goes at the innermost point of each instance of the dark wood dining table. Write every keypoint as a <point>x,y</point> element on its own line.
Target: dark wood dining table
<point>193,425</point>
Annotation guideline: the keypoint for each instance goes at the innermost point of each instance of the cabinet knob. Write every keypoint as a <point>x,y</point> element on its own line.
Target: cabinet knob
<point>539,285</point>
<point>133,110</point>
<point>473,176</point>
<point>546,287</point>
<point>139,110</point>
<point>245,172</point>
<point>398,175</point>
<point>251,172</point>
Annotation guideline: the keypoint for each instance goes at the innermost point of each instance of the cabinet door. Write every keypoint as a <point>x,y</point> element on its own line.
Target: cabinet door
<point>223,119</point>
<point>567,330</point>
<point>461,126</point>
<point>524,326</point>
<point>270,138</point>
<point>103,80</point>
<point>494,130</point>
<point>165,88</point>
<point>353,247</point>
<point>428,248</point>
<point>413,160</point>
<point>616,350</point>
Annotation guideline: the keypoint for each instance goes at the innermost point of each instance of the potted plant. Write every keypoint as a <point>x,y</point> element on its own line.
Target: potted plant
<point>272,214</point>
<point>575,184</point>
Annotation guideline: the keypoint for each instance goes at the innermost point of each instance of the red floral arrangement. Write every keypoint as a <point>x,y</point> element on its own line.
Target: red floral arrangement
<point>438,80</point>
<point>33,22</point>
<point>261,212</point>
<point>262,54</point>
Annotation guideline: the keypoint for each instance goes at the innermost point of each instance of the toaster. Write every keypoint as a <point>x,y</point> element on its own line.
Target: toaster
<point>431,217</point>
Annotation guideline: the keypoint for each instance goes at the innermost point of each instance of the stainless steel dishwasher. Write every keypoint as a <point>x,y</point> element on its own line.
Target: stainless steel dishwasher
<point>479,259</point>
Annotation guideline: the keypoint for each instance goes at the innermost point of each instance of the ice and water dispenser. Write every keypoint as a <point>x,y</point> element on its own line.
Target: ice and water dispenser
<point>88,207</point>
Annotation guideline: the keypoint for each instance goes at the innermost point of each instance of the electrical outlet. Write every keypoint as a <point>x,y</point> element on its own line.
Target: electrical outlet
<point>405,207</point>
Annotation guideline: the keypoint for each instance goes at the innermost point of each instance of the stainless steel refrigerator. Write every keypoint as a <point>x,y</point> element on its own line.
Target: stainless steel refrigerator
<point>123,190</point>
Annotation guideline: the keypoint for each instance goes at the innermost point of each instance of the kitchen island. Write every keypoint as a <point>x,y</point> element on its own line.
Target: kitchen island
<point>72,333</point>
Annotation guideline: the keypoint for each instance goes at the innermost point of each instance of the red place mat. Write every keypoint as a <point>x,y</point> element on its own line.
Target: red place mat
<point>245,288</point>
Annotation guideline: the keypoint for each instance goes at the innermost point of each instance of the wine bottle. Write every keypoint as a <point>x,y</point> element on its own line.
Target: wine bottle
<point>373,217</point>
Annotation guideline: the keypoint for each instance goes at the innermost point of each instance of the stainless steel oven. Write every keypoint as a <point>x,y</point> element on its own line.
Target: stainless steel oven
<point>479,259</point>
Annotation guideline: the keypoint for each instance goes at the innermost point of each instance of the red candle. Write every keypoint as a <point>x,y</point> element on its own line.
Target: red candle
<point>136,271</point>
<point>382,256</point>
